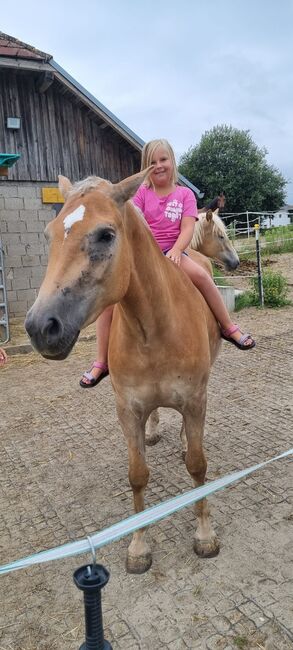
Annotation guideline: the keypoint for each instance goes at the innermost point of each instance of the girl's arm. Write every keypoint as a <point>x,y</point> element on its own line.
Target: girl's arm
<point>184,239</point>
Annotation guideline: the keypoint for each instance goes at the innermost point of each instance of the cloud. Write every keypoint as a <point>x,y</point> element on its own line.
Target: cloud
<point>176,69</point>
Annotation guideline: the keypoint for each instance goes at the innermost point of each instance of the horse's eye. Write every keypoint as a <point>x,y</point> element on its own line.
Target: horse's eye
<point>104,236</point>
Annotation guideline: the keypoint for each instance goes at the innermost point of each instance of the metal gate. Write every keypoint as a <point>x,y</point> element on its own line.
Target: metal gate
<point>4,323</point>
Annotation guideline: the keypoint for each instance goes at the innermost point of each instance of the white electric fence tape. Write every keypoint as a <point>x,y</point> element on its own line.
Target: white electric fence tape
<point>133,523</point>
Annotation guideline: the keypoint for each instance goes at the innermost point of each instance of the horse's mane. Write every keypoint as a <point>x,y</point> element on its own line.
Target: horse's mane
<point>218,228</point>
<point>87,185</point>
<point>91,183</point>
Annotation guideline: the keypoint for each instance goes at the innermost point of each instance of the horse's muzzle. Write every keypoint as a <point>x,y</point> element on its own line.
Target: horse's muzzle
<point>231,262</point>
<point>52,336</point>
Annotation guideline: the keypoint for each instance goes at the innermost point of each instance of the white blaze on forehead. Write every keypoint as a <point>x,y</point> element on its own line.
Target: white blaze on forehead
<point>73,217</point>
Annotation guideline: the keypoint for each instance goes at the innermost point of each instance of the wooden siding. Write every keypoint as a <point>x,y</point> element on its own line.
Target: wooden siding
<point>58,134</point>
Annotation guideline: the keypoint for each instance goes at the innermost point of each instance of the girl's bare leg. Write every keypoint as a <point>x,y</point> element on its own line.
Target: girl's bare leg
<point>103,324</point>
<point>203,281</point>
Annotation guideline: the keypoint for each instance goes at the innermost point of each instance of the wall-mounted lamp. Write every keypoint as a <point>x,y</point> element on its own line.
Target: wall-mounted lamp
<point>13,122</point>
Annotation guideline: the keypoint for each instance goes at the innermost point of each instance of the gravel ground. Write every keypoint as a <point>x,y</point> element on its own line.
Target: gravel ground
<point>64,476</point>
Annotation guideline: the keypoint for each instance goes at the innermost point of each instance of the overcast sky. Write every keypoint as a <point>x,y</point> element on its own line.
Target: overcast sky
<point>175,69</point>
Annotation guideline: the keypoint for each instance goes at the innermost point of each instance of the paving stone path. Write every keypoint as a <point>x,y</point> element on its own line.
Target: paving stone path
<point>63,476</point>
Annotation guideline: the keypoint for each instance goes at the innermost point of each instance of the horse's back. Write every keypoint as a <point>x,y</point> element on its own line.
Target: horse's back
<point>201,259</point>
<point>183,345</point>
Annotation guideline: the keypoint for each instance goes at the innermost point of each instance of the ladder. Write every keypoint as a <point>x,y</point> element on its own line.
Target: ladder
<point>4,322</point>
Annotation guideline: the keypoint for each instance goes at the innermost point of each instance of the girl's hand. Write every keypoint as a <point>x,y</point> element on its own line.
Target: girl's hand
<point>174,254</point>
<point>3,357</point>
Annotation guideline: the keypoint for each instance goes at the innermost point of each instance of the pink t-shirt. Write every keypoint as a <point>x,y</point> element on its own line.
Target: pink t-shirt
<point>164,213</point>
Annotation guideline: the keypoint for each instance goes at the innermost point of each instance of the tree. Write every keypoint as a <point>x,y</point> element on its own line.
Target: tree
<point>227,159</point>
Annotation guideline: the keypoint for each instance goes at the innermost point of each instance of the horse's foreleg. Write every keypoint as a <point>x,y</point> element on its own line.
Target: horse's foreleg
<point>139,557</point>
<point>206,543</point>
<point>152,436</point>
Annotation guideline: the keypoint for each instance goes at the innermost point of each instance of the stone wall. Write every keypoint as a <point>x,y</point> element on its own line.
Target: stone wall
<point>23,218</point>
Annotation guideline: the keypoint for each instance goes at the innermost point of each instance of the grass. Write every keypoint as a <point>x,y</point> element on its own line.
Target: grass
<point>275,290</point>
<point>278,240</point>
<point>272,241</point>
<point>218,278</point>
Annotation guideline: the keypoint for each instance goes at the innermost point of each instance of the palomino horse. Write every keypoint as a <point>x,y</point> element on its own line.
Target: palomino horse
<point>163,337</point>
<point>210,238</point>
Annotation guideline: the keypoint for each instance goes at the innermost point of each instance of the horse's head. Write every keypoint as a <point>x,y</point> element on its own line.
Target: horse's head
<point>210,238</point>
<point>89,262</point>
<point>221,201</point>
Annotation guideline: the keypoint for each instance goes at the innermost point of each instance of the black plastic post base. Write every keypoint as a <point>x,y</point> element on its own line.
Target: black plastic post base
<point>91,579</point>
<point>106,646</point>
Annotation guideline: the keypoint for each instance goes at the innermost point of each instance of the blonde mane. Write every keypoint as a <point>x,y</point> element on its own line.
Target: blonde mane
<point>87,185</point>
<point>92,183</point>
<point>218,228</point>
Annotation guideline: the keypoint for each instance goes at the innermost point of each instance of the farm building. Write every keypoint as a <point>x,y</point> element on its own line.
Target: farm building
<point>49,125</point>
<point>283,217</point>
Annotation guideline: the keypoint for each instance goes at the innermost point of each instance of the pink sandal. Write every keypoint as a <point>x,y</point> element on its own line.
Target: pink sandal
<point>94,380</point>
<point>226,334</point>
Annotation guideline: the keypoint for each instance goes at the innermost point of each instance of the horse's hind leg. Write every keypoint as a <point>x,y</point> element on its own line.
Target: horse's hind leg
<point>206,543</point>
<point>152,436</point>
<point>139,557</point>
<point>183,441</point>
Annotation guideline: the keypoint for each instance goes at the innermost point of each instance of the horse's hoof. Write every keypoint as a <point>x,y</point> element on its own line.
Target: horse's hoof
<point>152,440</point>
<point>138,563</point>
<point>206,548</point>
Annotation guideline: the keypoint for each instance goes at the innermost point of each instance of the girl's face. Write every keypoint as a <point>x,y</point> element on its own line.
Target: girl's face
<point>162,176</point>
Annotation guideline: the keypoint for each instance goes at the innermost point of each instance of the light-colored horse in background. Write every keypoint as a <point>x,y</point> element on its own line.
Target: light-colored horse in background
<point>210,239</point>
<point>163,338</point>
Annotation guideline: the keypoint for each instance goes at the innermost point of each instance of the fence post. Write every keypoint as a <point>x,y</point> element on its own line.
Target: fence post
<point>258,259</point>
<point>247,221</point>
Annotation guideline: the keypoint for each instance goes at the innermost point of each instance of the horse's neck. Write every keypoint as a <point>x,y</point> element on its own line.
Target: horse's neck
<point>149,300</point>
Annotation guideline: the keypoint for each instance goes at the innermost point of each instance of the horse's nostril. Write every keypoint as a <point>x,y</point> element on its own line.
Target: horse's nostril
<point>53,330</point>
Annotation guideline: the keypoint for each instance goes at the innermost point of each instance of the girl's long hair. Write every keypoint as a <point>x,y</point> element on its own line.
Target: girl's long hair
<point>148,152</point>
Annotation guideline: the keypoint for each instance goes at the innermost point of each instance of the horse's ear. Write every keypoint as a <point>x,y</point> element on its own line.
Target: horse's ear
<point>124,190</point>
<point>64,186</point>
<point>209,215</point>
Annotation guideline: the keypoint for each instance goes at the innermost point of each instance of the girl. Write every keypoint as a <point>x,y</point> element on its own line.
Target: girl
<point>170,210</point>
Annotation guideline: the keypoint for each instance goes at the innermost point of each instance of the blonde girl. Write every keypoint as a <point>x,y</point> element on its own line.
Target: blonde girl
<point>170,211</point>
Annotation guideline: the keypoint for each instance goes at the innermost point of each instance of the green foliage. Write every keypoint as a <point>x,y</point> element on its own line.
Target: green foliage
<point>218,277</point>
<point>275,291</point>
<point>245,299</point>
<point>227,159</point>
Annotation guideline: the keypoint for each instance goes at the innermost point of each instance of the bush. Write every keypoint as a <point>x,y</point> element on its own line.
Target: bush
<point>275,291</point>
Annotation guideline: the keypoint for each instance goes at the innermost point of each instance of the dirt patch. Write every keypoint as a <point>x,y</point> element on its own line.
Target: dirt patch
<point>240,278</point>
<point>249,266</point>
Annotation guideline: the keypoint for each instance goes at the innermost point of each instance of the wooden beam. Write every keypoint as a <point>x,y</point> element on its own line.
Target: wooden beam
<point>23,64</point>
<point>44,81</point>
